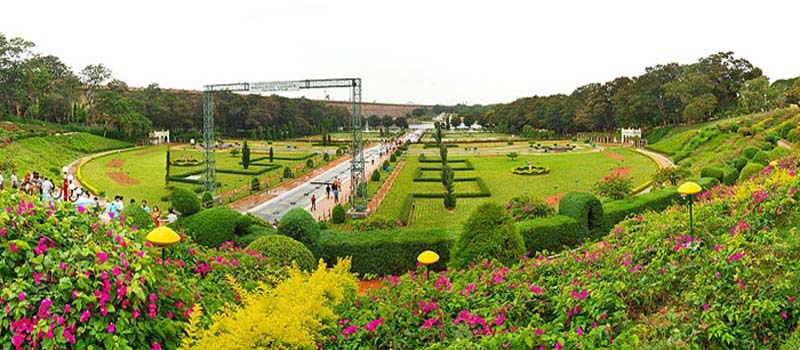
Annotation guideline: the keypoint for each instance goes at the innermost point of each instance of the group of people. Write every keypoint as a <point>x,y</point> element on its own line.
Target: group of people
<point>333,187</point>
<point>115,207</point>
<point>32,184</point>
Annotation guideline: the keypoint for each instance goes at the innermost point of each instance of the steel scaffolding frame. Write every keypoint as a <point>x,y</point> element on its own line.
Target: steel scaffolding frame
<point>358,183</point>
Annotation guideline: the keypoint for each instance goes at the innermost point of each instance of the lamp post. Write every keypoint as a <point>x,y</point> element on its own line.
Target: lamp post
<point>690,189</point>
<point>163,237</point>
<point>65,188</point>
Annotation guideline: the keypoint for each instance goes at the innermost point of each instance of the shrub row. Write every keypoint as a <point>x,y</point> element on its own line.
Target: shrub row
<point>467,165</point>
<point>551,233</point>
<point>388,252</point>
<point>296,158</point>
<point>433,145</point>
<point>265,168</point>
<point>425,159</point>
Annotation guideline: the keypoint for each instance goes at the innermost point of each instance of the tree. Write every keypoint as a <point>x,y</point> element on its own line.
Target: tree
<point>443,153</point>
<point>245,155</point>
<point>93,76</point>
<point>756,96</point>
<point>401,122</point>
<point>387,121</point>
<point>469,120</point>
<point>700,108</point>
<point>271,154</point>
<point>489,233</point>
<point>512,155</point>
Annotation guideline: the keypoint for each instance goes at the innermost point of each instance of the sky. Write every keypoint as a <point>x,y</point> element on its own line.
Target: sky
<point>408,51</point>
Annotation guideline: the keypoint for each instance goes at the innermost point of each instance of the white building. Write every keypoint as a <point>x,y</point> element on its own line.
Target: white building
<point>628,133</point>
<point>159,137</point>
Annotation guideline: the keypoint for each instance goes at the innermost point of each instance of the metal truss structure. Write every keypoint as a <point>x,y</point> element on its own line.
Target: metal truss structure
<point>358,180</point>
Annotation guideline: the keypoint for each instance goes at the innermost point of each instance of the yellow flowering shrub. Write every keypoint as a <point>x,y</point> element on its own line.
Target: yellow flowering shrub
<point>291,315</point>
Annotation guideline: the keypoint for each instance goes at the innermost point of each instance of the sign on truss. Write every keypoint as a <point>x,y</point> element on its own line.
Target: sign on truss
<point>276,86</point>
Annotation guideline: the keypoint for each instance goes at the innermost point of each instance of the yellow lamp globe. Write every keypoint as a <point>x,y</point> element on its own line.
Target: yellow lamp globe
<point>163,237</point>
<point>689,188</point>
<point>427,257</point>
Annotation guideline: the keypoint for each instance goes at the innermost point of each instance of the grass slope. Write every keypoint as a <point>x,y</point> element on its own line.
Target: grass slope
<point>48,154</point>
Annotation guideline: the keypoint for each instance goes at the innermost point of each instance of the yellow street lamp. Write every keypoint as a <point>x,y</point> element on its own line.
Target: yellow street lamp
<point>163,237</point>
<point>690,189</point>
<point>427,257</point>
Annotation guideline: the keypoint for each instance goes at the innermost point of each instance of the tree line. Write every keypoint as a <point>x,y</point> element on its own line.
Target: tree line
<point>42,87</point>
<point>717,86</point>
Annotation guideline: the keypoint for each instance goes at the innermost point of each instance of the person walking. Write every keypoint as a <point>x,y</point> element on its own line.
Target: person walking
<point>336,195</point>
<point>313,202</point>
<point>1,179</point>
<point>14,180</point>
<point>328,191</point>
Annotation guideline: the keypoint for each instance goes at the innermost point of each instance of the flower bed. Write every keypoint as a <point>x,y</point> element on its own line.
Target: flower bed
<point>650,282</point>
<point>532,170</point>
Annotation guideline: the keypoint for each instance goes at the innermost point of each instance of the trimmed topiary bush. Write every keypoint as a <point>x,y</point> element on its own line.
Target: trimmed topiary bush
<point>213,226</point>
<point>393,158</point>
<point>526,207</point>
<point>785,128</point>
<point>279,248</point>
<point>489,233</point>
<point>729,175</point>
<point>300,225</point>
<point>585,208</point>
<point>287,173</point>
<point>716,173</point>
<point>184,201</point>
<point>749,170</point>
<point>136,216</point>
<point>253,233</point>
<point>338,214</point>
<point>793,135</point>
<point>376,176</point>
<point>761,157</point>
<point>750,151</point>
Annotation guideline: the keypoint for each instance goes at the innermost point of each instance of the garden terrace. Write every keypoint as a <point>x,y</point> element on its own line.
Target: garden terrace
<point>568,172</point>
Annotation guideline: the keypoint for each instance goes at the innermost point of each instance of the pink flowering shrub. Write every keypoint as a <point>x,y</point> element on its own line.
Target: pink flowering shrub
<point>526,207</point>
<point>71,282</point>
<point>732,284</point>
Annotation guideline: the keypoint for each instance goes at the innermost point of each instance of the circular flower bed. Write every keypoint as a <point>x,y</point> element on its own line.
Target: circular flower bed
<point>186,162</point>
<point>533,170</point>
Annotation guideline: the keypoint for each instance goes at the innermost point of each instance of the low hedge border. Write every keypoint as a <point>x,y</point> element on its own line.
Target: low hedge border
<point>405,209</point>
<point>434,145</point>
<point>265,169</point>
<point>467,166</point>
<point>535,170</point>
<point>551,234</point>
<point>386,252</point>
<point>424,159</point>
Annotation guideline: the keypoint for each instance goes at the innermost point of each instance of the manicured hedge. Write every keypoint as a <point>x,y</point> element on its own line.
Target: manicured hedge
<point>184,201</point>
<point>300,225</point>
<point>616,211</point>
<point>467,166</point>
<point>265,168</point>
<point>213,226</point>
<point>585,208</point>
<point>551,233</point>
<point>389,252</point>
<point>283,249</point>
<point>136,216</point>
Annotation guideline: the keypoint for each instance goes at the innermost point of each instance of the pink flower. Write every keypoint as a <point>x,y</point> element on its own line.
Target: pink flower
<point>156,346</point>
<point>13,247</point>
<point>21,296</point>
<point>539,331</point>
<point>535,289</point>
<point>346,332</point>
<point>557,346</point>
<point>579,331</point>
<point>371,326</point>
<point>111,328</point>
<point>85,316</point>
<point>791,299</point>
<point>705,307</point>
<point>735,257</point>
<point>101,257</point>
<point>429,323</point>
<point>81,209</point>
<point>67,309</point>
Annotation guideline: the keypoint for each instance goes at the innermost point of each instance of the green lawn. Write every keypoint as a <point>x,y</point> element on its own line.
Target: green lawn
<point>147,166</point>
<point>586,168</point>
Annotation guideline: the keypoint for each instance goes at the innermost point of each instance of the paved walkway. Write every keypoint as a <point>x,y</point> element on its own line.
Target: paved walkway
<point>661,159</point>
<point>300,195</point>
<point>784,144</point>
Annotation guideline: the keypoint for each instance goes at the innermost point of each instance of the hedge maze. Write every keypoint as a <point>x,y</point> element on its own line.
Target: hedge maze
<point>456,165</point>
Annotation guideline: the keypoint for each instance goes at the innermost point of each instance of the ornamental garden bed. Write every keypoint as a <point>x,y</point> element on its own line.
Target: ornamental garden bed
<point>530,170</point>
